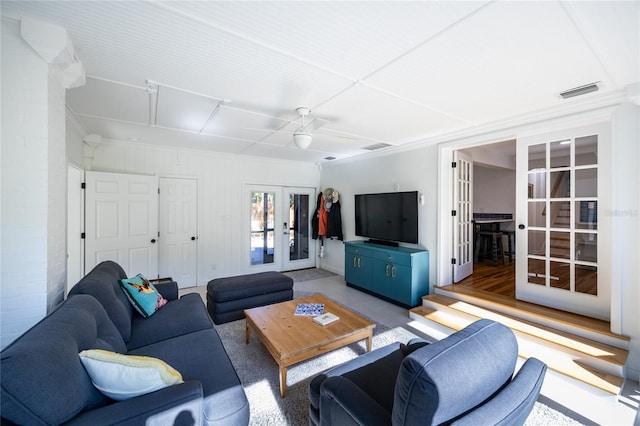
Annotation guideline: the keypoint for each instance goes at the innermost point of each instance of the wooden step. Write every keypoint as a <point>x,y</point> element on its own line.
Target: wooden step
<point>591,328</point>
<point>590,362</point>
<point>600,355</point>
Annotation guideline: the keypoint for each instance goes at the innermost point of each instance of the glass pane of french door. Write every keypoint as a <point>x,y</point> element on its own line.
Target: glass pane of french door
<point>298,240</point>
<point>262,227</point>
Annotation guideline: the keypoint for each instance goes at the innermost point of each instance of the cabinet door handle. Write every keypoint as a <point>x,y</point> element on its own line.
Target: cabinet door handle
<point>354,262</point>
<point>359,262</point>
<point>386,270</point>
<point>393,271</point>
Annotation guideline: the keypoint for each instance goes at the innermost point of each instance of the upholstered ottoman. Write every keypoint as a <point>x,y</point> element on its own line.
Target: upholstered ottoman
<point>227,298</point>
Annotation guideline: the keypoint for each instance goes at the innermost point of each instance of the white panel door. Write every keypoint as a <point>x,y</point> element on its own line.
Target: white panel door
<point>563,240</point>
<point>462,221</point>
<point>178,242</point>
<point>122,222</point>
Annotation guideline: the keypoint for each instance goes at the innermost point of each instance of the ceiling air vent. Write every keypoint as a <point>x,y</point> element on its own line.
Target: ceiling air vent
<point>376,146</point>
<point>582,90</point>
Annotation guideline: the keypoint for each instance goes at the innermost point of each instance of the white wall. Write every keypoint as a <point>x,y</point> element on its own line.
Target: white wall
<point>411,170</point>
<point>56,190</point>
<point>75,145</point>
<point>494,191</point>
<point>33,186</point>
<point>221,178</point>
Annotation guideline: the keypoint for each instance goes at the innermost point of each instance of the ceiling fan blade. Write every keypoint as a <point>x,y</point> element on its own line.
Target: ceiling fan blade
<point>314,124</point>
<point>266,130</point>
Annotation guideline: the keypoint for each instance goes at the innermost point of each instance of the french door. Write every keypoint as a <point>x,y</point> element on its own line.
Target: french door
<point>278,236</point>
<point>462,220</point>
<point>562,239</point>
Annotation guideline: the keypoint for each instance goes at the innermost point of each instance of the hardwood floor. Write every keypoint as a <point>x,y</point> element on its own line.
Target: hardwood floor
<point>499,279</point>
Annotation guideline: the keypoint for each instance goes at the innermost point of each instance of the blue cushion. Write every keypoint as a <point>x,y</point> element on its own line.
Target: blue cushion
<point>43,380</point>
<point>142,294</point>
<point>444,380</point>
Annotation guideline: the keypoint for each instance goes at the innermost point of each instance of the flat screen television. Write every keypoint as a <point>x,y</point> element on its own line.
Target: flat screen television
<point>388,217</point>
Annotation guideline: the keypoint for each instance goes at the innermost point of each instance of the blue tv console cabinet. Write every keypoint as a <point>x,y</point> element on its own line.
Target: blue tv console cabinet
<point>398,274</point>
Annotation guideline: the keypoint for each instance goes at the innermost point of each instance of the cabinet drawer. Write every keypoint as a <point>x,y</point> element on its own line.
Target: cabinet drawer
<point>357,250</point>
<point>393,257</point>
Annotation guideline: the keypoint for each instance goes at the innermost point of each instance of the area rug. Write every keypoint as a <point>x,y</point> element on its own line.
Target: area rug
<point>308,274</point>
<point>258,373</point>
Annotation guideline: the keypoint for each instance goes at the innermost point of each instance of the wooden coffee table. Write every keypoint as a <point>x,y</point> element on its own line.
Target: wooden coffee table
<point>291,339</point>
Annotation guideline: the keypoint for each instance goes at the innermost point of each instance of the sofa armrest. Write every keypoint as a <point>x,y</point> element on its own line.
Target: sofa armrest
<point>344,403</point>
<point>513,404</point>
<point>168,290</point>
<point>135,411</point>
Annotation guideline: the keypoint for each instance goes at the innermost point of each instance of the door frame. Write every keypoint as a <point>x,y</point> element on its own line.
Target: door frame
<point>551,122</point>
<point>75,224</point>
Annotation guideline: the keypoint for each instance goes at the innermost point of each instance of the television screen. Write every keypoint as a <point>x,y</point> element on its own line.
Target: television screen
<point>391,216</point>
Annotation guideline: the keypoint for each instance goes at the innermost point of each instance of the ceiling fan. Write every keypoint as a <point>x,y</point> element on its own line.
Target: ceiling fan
<point>303,136</point>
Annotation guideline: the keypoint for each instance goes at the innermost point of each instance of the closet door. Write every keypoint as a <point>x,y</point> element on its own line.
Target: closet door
<point>122,222</point>
<point>178,242</point>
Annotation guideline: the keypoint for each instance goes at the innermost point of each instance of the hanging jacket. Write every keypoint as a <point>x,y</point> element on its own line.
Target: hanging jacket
<point>323,219</point>
<point>334,222</point>
<point>315,218</point>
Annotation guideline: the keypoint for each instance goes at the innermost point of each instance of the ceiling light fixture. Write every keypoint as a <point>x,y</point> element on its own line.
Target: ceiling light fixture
<point>581,90</point>
<point>302,140</point>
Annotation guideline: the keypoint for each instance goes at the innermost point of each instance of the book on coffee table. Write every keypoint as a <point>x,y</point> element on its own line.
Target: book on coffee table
<point>325,319</point>
<point>309,309</point>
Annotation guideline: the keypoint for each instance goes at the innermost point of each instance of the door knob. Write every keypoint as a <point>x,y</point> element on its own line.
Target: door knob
<point>153,241</point>
<point>521,226</point>
<point>193,238</point>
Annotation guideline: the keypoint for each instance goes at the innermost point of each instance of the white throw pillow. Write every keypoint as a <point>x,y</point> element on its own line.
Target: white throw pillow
<point>122,377</point>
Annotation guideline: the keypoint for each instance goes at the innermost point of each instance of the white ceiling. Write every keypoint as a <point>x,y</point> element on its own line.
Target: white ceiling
<point>207,74</point>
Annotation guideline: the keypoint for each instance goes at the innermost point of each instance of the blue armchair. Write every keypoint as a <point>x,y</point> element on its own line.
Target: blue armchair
<point>465,379</point>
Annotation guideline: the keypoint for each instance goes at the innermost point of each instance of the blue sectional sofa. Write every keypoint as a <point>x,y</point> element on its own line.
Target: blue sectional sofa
<point>44,381</point>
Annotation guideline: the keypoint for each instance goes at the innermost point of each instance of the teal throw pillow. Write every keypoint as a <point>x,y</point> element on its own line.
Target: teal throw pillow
<point>143,295</point>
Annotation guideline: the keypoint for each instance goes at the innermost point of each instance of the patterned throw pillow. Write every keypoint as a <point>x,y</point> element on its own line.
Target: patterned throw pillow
<point>122,377</point>
<point>143,295</point>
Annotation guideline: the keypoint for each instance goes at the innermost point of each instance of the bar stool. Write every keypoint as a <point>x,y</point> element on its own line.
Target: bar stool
<point>510,243</point>
<point>493,240</point>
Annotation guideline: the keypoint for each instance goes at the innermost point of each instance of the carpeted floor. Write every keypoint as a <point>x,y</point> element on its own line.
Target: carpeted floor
<point>258,373</point>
